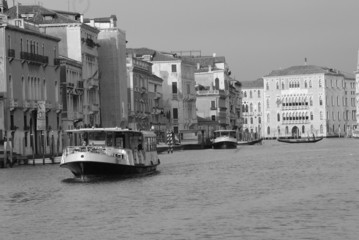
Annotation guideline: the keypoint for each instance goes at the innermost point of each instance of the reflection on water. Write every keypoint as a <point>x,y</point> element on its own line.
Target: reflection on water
<point>272,191</point>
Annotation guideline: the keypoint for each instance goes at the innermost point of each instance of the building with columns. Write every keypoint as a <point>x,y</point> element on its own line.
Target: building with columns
<point>306,100</point>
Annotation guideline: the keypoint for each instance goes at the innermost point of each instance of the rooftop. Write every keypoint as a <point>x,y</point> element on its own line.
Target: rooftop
<point>253,84</point>
<point>39,15</point>
<point>307,69</point>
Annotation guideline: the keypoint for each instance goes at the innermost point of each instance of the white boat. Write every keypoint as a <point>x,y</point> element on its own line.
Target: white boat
<point>110,151</point>
<point>224,139</point>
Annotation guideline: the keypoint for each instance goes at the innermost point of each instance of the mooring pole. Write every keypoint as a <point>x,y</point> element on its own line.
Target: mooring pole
<point>43,147</point>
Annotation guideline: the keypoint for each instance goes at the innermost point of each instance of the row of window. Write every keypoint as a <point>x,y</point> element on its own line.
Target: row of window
<point>297,84</point>
<point>31,46</point>
<point>251,94</point>
<point>301,116</point>
<point>302,101</point>
<point>33,89</point>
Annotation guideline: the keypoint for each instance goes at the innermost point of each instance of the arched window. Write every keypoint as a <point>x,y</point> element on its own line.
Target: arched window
<point>277,85</point>
<point>251,120</point>
<point>311,116</point>
<point>259,93</point>
<point>245,94</point>
<point>305,84</point>
<point>267,86</point>
<point>250,94</point>
<point>278,117</point>
<point>268,130</point>
<point>246,107</point>
<point>282,85</point>
<point>303,129</point>
<point>283,117</point>
<point>321,115</point>
<point>278,130</point>
<point>311,101</point>
<point>286,130</point>
<point>259,107</point>
<point>243,108</point>
<point>251,107</point>
<point>321,128</point>
<point>268,118</point>
<point>259,120</point>
<point>310,83</point>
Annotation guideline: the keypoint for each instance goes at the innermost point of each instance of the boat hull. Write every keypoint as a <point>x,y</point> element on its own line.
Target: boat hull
<point>85,168</point>
<point>224,145</point>
<point>299,140</point>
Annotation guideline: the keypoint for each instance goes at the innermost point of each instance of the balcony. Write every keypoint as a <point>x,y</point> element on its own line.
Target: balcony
<point>59,107</point>
<point>26,105</point>
<point>11,53</point>
<point>174,96</point>
<point>80,84</point>
<point>90,43</point>
<point>78,115</point>
<point>34,57</point>
<point>57,61</point>
<point>93,83</point>
<point>94,107</point>
<point>175,121</point>
<point>13,104</point>
<point>48,105</point>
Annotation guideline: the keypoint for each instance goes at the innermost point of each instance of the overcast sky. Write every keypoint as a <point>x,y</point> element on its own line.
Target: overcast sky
<point>255,36</point>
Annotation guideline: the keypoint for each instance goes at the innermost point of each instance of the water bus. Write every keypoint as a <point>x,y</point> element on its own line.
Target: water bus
<point>110,151</point>
<point>224,139</point>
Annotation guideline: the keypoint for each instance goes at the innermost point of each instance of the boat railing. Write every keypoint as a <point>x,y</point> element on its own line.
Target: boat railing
<point>93,149</point>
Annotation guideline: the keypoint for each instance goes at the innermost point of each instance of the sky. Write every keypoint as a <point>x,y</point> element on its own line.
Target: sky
<point>255,36</point>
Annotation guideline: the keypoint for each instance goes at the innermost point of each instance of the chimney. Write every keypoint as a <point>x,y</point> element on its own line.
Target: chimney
<point>81,18</point>
<point>198,66</point>
<point>209,68</point>
<point>214,55</point>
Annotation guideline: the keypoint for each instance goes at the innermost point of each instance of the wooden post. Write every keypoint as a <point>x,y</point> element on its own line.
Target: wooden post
<point>43,147</point>
<point>5,153</point>
<point>32,135</point>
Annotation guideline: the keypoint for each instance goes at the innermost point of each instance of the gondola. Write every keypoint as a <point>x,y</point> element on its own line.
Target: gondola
<point>300,140</point>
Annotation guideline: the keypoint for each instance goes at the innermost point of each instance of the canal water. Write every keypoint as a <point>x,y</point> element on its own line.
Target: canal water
<point>271,191</point>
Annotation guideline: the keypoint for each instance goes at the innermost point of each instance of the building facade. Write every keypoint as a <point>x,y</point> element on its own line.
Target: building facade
<point>252,107</point>
<point>218,94</point>
<point>179,98</point>
<point>112,63</point>
<point>79,43</point>
<point>145,98</point>
<point>30,103</point>
<point>306,100</point>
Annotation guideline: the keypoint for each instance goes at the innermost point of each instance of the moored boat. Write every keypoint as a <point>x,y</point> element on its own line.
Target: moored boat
<point>300,140</point>
<point>224,139</point>
<point>251,142</point>
<point>110,151</point>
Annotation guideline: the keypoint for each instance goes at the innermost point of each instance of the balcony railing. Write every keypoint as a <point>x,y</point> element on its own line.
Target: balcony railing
<point>13,104</point>
<point>175,121</point>
<point>80,84</point>
<point>11,53</point>
<point>34,57</point>
<point>57,61</point>
<point>94,107</point>
<point>93,83</point>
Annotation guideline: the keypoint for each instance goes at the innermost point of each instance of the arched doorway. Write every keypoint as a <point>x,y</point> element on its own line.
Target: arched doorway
<point>295,132</point>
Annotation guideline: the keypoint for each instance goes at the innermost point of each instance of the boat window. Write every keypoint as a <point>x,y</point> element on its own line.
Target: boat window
<point>109,139</point>
<point>96,138</point>
<point>120,140</point>
<point>233,134</point>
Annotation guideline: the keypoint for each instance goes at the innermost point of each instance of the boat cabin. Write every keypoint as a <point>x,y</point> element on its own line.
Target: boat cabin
<point>225,133</point>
